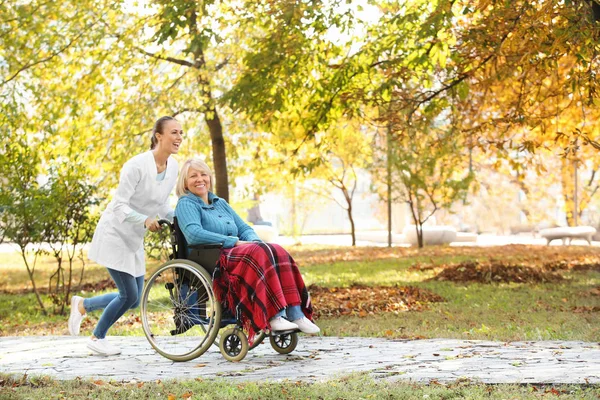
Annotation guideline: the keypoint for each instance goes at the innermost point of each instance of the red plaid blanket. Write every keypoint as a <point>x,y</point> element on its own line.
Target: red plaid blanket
<point>255,281</point>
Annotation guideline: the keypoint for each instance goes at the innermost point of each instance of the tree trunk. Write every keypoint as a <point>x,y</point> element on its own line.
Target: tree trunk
<point>348,198</point>
<point>417,220</point>
<point>568,189</point>
<point>596,11</point>
<point>30,273</point>
<point>67,293</point>
<point>352,227</point>
<point>419,229</point>
<point>82,258</point>
<point>388,167</point>
<point>219,154</point>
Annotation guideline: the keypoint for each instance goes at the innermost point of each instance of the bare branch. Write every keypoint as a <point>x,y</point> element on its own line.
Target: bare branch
<point>222,64</point>
<point>355,183</point>
<point>45,59</point>
<point>183,110</point>
<point>592,178</point>
<point>318,193</point>
<point>174,60</point>
<point>176,81</point>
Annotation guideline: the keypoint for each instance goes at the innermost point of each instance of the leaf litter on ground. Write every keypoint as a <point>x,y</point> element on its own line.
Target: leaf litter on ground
<point>364,300</point>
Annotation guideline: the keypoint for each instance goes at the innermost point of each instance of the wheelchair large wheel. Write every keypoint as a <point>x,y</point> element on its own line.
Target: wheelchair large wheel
<point>180,313</point>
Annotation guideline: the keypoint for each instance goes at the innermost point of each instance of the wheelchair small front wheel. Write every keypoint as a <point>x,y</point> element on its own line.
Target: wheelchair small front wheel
<point>284,343</point>
<point>233,345</point>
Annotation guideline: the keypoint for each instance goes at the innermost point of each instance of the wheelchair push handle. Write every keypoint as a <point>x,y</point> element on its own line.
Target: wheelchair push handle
<point>163,221</point>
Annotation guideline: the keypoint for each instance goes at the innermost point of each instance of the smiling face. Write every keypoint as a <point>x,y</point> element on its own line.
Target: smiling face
<point>170,138</point>
<point>198,183</point>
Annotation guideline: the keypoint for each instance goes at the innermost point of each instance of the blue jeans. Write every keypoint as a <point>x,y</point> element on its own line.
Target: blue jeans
<point>292,312</point>
<point>115,304</point>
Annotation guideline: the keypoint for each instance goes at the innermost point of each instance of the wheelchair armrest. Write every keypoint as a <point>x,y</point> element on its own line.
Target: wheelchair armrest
<point>206,246</point>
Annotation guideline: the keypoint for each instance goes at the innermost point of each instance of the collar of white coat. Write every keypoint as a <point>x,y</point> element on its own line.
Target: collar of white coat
<point>151,164</point>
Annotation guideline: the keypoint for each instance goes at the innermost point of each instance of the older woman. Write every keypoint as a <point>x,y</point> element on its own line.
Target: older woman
<point>258,282</point>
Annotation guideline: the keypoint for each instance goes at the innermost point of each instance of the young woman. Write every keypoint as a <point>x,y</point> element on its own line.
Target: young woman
<point>258,282</point>
<point>145,184</point>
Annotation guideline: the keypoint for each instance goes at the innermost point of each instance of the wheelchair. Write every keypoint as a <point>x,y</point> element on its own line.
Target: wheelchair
<point>181,316</point>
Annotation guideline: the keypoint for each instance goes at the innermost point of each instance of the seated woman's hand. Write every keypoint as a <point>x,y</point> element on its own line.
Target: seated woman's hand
<point>242,242</point>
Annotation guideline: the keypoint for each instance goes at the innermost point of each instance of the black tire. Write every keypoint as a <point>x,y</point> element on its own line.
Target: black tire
<point>284,343</point>
<point>180,313</point>
<point>233,345</point>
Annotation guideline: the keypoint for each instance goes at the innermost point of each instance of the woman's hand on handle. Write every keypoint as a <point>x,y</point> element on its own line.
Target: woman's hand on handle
<point>241,242</point>
<point>152,224</point>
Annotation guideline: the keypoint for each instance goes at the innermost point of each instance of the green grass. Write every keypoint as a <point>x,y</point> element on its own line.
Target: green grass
<point>14,277</point>
<point>357,386</point>
<point>505,312</point>
<point>379,272</point>
<point>471,311</point>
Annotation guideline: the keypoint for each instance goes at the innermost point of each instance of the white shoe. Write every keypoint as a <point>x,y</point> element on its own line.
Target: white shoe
<point>102,347</point>
<point>282,324</point>
<point>306,326</point>
<point>76,317</point>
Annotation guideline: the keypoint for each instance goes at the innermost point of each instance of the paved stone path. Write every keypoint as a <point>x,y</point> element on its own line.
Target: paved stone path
<point>315,358</point>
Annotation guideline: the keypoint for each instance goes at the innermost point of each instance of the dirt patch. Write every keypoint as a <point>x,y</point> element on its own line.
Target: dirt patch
<point>362,300</point>
<point>496,272</point>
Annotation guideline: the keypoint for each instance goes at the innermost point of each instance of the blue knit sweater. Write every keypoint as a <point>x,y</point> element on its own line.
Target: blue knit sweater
<point>216,222</point>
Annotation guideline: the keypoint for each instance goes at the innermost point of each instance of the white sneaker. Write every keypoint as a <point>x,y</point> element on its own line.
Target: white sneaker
<point>76,317</point>
<point>102,347</point>
<point>282,324</point>
<point>306,326</point>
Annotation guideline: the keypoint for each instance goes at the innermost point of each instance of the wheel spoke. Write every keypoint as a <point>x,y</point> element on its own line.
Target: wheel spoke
<point>179,313</point>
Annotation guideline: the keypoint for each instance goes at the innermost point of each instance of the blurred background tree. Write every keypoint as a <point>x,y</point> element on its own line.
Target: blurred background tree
<point>502,91</point>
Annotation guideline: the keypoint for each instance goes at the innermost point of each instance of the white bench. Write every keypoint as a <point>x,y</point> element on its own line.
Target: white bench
<point>431,235</point>
<point>568,233</point>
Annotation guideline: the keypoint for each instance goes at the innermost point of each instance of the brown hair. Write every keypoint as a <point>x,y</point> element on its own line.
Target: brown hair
<point>158,128</point>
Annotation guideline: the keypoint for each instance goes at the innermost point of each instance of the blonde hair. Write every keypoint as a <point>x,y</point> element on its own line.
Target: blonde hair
<point>197,164</point>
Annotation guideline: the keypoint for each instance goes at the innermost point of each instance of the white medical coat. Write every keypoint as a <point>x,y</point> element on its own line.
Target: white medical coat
<point>118,244</point>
